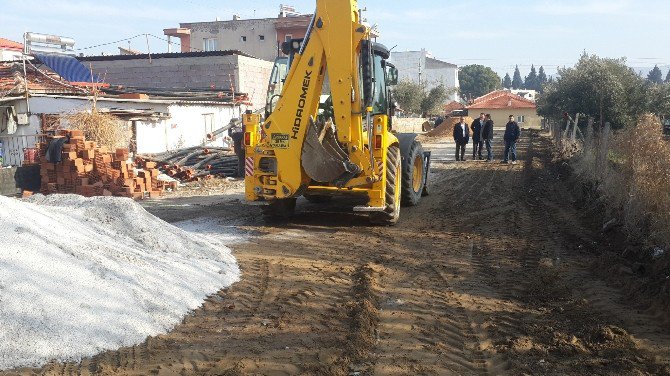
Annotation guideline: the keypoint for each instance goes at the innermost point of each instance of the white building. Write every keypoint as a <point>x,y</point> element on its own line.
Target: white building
<point>157,125</point>
<point>531,95</point>
<point>422,67</point>
<point>10,50</point>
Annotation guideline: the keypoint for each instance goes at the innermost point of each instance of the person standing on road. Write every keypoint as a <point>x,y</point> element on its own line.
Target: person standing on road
<point>461,138</point>
<point>477,139</point>
<point>487,136</point>
<point>512,133</point>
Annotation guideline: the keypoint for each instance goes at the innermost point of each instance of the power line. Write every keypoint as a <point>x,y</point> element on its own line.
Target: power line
<point>177,43</point>
<point>109,43</point>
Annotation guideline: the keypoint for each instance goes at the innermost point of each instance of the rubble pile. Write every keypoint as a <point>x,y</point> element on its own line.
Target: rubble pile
<point>89,170</point>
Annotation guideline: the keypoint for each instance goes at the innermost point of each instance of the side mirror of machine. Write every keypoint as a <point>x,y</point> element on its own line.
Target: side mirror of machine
<point>291,46</point>
<point>392,75</point>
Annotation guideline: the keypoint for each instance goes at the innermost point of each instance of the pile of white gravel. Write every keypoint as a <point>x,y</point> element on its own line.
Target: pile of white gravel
<point>82,275</point>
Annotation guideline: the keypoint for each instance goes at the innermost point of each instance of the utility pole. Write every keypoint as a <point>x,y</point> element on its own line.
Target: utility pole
<point>420,72</point>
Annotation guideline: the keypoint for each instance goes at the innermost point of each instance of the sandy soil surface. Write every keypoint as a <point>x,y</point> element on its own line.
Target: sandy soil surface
<point>491,274</point>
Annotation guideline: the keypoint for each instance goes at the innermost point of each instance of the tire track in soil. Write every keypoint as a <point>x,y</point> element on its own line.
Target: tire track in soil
<point>481,278</point>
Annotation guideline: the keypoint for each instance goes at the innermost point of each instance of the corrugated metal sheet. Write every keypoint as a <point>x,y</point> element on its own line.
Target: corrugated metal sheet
<point>68,67</point>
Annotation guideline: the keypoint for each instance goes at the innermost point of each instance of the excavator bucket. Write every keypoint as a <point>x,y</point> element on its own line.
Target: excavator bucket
<point>322,157</point>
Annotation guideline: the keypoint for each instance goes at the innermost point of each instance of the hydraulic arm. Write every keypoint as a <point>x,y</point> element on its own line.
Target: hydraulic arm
<point>348,147</point>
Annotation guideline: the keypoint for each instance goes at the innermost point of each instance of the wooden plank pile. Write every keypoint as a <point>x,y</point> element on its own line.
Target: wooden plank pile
<point>195,163</point>
<point>90,170</point>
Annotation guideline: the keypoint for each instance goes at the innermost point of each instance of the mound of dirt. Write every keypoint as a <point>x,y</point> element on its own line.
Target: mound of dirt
<point>446,128</point>
<point>82,275</point>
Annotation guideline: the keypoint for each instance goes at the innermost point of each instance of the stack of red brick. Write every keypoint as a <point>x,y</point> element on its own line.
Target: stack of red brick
<point>89,170</point>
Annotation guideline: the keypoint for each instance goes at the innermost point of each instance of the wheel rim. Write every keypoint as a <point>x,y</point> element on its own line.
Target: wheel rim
<point>417,174</point>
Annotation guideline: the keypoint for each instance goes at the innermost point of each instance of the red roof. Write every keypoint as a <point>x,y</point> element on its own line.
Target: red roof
<point>6,44</point>
<point>39,81</point>
<point>501,99</point>
<point>451,106</point>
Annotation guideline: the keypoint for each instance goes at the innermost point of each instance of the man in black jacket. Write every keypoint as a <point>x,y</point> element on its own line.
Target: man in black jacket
<point>477,139</point>
<point>461,138</point>
<point>512,133</point>
<point>487,136</point>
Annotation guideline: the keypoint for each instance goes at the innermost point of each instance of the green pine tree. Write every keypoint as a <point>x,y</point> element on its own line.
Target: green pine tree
<point>667,78</point>
<point>507,81</point>
<point>532,82</point>
<point>655,76</point>
<point>517,81</point>
<point>542,78</point>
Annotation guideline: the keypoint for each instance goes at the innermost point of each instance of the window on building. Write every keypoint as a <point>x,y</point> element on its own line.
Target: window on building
<point>261,37</point>
<point>288,38</point>
<point>210,44</point>
<point>243,38</point>
<point>520,118</point>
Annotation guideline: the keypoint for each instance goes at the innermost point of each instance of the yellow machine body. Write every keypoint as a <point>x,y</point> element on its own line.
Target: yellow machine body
<point>274,147</point>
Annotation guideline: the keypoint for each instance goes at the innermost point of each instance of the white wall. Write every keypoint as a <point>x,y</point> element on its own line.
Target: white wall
<point>253,76</point>
<point>7,55</point>
<point>412,64</point>
<point>229,36</point>
<point>186,127</point>
<point>13,145</point>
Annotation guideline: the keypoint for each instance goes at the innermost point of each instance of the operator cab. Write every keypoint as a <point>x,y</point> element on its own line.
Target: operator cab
<point>279,72</point>
<point>378,77</point>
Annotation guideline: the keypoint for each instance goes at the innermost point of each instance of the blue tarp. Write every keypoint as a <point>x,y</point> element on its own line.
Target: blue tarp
<point>68,67</point>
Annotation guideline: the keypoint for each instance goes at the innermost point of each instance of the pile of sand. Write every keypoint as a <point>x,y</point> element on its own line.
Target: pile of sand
<point>82,275</point>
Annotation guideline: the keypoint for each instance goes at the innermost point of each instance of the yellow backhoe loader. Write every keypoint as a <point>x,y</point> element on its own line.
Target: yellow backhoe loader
<point>341,143</point>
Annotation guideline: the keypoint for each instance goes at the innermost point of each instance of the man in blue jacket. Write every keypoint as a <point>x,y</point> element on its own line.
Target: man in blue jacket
<point>512,133</point>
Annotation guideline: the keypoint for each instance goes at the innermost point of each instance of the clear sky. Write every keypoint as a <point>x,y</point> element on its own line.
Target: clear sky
<point>499,34</point>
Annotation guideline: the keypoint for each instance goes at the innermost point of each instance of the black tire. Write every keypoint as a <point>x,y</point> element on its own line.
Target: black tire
<point>391,213</point>
<point>280,209</point>
<point>318,199</point>
<point>411,192</point>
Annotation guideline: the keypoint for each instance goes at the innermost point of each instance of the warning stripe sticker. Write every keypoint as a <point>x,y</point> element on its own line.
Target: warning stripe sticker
<point>249,166</point>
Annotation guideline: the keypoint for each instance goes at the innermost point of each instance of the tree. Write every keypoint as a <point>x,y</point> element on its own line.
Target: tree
<point>655,76</point>
<point>507,81</point>
<point>408,94</point>
<point>542,78</point>
<point>414,99</point>
<point>517,82</point>
<point>531,82</point>
<point>659,99</point>
<point>433,100</point>
<point>605,89</point>
<point>667,78</point>
<point>476,80</point>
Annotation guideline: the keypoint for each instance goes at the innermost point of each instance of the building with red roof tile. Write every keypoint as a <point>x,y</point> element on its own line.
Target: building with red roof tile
<point>10,50</point>
<point>502,103</point>
<point>453,106</point>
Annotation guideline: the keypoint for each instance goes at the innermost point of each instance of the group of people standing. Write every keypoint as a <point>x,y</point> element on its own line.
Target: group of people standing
<point>482,135</point>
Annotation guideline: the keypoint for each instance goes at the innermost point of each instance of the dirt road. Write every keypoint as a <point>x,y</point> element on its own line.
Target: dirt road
<point>489,275</point>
